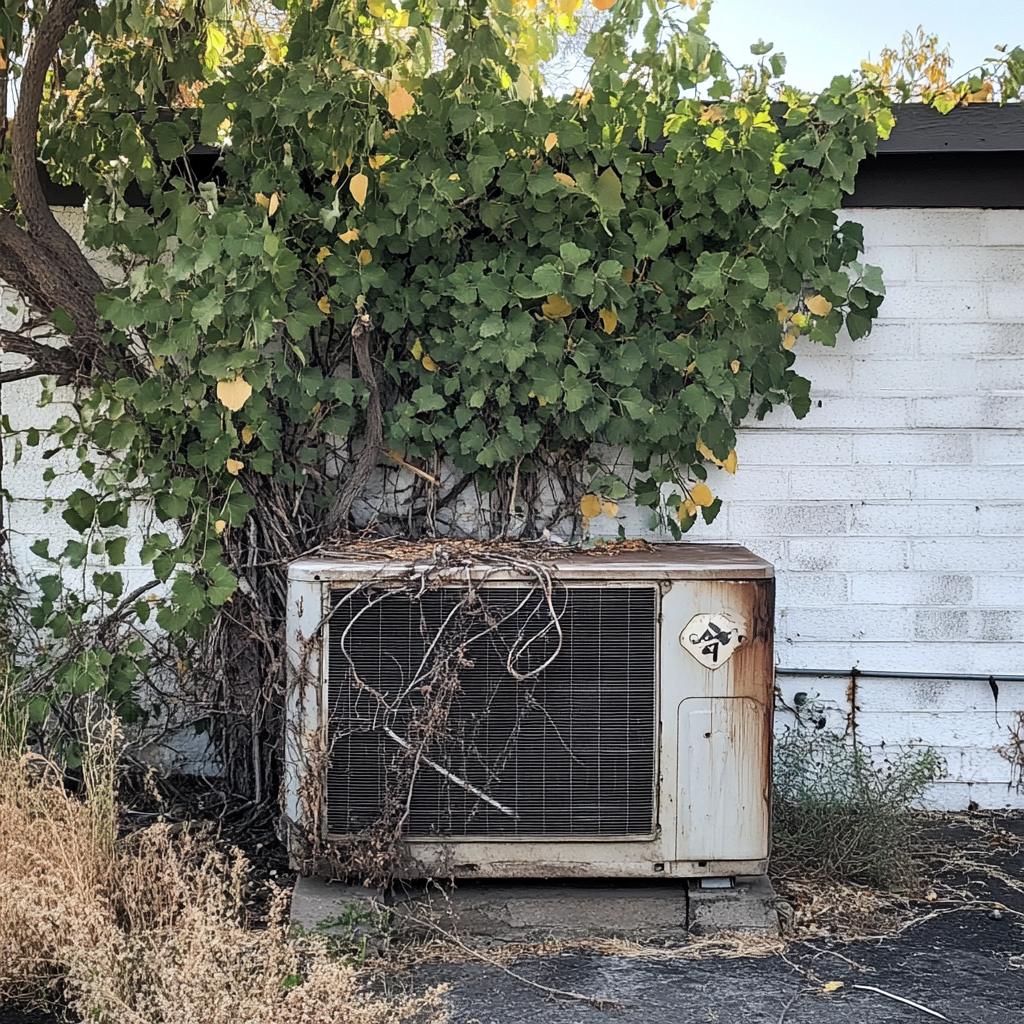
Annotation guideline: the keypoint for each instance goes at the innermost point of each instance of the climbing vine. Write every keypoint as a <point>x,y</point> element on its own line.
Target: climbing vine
<point>398,285</point>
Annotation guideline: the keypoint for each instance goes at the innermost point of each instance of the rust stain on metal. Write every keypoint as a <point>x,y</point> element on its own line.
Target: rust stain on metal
<point>851,700</point>
<point>754,669</point>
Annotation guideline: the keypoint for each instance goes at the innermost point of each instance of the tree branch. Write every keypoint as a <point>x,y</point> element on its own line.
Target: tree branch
<point>42,261</point>
<point>62,363</point>
<point>362,332</point>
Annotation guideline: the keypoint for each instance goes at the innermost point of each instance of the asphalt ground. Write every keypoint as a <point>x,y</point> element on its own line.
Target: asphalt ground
<point>958,953</point>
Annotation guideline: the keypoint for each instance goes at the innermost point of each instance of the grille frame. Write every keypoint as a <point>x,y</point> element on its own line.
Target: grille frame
<point>329,592</point>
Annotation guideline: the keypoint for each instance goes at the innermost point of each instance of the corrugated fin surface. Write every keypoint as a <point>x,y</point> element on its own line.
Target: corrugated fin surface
<point>570,751</point>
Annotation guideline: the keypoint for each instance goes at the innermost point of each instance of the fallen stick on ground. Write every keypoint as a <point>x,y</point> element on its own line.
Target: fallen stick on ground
<point>832,952</point>
<point>598,1002</point>
<point>785,1009</point>
<point>900,999</point>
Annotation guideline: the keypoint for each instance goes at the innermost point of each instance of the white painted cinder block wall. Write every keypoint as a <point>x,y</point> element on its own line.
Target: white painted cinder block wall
<point>894,512</point>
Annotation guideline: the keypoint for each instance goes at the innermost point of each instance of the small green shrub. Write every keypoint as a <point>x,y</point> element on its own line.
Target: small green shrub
<point>839,814</point>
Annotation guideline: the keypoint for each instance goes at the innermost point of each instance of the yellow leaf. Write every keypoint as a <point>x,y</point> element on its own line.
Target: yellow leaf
<point>590,505</point>
<point>273,204</point>
<point>324,305</point>
<point>712,113</point>
<point>565,179</point>
<point>358,186</point>
<point>400,102</point>
<point>686,509</point>
<point>873,69</point>
<point>556,306</point>
<point>417,349</point>
<point>365,257</point>
<point>454,177</point>
<point>610,509</point>
<point>247,435</point>
<point>220,526</point>
<point>789,340</point>
<point>234,393</point>
<point>376,8</point>
<point>730,462</point>
<point>705,451</point>
<point>700,494</point>
<point>603,5</point>
<point>377,162</point>
<point>323,254</point>
<point>832,986</point>
<point>429,364</point>
<point>541,401</point>
<point>234,466</point>
<point>609,321</point>
<point>735,364</point>
<point>783,310</point>
<point>627,275</point>
<point>349,236</point>
<point>261,200</point>
<point>334,177</point>
<point>158,362</point>
<point>550,141</point>
<point>819,305</point>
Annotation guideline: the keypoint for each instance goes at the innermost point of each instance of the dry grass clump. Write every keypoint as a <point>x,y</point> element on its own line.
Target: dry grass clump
<point>148,929</point>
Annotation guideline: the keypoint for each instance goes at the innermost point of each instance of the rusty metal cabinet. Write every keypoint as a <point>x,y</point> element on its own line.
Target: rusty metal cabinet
<point>638,744</point>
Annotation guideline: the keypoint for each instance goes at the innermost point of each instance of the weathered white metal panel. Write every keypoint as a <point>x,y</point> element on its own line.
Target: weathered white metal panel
<point>720,788</point>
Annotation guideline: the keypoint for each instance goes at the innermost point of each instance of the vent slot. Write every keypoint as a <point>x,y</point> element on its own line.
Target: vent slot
<point>570,750</point>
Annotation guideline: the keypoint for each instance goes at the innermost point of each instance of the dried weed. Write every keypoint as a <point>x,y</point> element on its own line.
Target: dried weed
<point>147,929</point>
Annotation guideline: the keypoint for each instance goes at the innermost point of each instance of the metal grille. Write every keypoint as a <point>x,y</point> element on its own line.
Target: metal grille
<point>569,752</point>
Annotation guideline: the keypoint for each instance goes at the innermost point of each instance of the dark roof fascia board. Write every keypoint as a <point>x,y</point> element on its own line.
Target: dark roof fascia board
<point>977,128</point>
<point>929,160</point>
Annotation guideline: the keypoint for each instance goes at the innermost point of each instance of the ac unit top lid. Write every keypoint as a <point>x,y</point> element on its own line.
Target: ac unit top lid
<point>656,562</point>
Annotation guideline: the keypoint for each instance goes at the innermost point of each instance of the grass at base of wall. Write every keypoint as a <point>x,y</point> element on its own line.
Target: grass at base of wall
<point>842,816</point>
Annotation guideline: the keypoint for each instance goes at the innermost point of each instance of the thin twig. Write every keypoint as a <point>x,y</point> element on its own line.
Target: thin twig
<point>900,999</point>
<point>598,1002</point>
<point>468,787</point>
<point>832,952</point>
<point>785,1009</point>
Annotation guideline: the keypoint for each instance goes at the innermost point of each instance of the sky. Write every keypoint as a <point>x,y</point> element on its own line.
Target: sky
<point>822,38</point>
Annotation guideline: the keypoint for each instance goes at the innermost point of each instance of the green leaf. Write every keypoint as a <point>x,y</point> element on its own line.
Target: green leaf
<point>63,322</point>
<point>426,400</point>
<point>80,511</point>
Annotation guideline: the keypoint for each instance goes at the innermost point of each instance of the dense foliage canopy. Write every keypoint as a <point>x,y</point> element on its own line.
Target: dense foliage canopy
<point>410,276</point>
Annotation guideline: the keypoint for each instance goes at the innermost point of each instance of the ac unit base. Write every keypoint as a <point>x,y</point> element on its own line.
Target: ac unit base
<point>626,859</point>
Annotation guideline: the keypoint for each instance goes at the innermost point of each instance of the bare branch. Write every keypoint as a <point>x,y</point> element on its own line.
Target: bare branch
<point>362,333</point>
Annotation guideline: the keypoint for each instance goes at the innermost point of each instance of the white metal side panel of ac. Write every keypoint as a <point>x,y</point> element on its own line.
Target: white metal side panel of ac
<point>722,810</point>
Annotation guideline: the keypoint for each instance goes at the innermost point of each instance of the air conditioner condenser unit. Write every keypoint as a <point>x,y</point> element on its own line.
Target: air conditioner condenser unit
<point>615,723</point>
